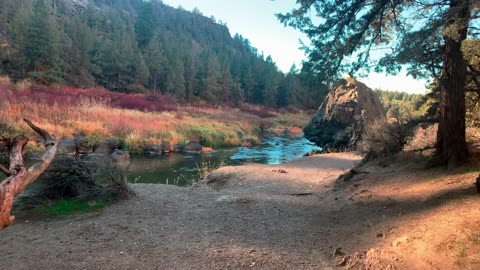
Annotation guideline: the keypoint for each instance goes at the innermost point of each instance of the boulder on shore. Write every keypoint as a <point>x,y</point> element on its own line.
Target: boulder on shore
<point>341,118</point>
<point>156,149</point>
<point>192,147</point>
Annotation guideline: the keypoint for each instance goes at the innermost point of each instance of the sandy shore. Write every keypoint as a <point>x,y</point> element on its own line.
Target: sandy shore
<point>289,216</point>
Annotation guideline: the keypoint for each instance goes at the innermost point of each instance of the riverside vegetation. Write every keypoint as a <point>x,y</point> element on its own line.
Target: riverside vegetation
<point>138,120</point>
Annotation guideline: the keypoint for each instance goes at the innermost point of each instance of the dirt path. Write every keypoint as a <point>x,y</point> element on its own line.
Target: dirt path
<point>290,216</point>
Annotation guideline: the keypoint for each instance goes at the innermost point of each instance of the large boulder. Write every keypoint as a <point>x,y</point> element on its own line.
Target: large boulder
<point>340,120</point>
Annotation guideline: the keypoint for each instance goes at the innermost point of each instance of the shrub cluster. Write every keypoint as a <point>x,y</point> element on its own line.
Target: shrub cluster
<point>83,179</point>
<point>385,138</point>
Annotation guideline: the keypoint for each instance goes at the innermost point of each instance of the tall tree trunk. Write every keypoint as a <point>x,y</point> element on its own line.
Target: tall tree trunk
<point>451,143</point>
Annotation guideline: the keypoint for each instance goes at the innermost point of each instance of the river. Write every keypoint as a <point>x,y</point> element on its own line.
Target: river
<point>182,169</point>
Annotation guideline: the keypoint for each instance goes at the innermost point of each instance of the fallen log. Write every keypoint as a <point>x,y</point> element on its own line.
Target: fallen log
<point>18,176</point>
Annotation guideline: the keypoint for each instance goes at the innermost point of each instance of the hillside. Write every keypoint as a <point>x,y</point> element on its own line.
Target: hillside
<point>139,46</point>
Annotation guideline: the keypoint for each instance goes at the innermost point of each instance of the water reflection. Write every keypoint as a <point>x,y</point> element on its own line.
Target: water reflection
<point>180,169</point>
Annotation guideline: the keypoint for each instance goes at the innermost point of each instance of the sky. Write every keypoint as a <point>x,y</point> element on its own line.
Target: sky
<point>256,21</point>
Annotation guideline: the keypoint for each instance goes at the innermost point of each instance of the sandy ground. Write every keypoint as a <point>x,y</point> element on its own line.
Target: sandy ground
<point>290,216</point>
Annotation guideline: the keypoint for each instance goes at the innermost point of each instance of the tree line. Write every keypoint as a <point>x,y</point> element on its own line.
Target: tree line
<point>146,47</point>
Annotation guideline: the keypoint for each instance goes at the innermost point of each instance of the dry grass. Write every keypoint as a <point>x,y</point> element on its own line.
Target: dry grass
<point>67,112</point>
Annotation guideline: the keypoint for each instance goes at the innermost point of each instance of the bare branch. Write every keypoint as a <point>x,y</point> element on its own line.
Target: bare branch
<point>4,170</point>
<point>20,177</point>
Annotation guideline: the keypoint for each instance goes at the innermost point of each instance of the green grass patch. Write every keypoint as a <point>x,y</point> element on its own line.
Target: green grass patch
<point>66,208</point>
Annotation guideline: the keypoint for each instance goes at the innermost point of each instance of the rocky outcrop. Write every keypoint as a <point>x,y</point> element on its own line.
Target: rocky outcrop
<point>340,120</point>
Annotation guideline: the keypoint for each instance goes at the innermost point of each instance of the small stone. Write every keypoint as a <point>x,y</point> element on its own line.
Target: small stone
<point>338,252</point>
<point>399,241</point>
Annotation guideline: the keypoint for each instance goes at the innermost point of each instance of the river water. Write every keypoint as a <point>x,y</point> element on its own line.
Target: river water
<point>182,169</point>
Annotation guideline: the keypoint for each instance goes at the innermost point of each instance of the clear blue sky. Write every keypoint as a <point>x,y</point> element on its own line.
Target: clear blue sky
<point>256,21</point>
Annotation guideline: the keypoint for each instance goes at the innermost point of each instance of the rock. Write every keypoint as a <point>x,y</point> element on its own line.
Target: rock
<point>121,157</point>
<point>67,147</point>
<point>207,150</point>
<point>248,142</point>
<point>225,199</point>
<point>156,149</point>
<point>338,252</point>
<point>400,241</point>
<point>340,120</point>
<point>179,147</point>
<point>193,147</point>
<point>107,147</point>
<point>167,148</point>
<point>83,146</point>
<point>296,130</point>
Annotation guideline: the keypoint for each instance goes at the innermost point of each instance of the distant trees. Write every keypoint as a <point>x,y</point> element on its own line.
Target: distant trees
<point>402,105</point>
<point>145,46</point>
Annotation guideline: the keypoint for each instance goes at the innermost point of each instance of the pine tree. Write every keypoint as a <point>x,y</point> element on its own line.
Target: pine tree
<point>190,75</point>
<point>145,24</point>
<point>155,62</point>
<point>178,89</point>
<point>18,30</point>
<point>78,43</point>
<point>211,76</point>
<point>41,51</point>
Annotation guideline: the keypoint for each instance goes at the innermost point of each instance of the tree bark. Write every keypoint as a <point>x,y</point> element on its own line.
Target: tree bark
<point>19,177</point>
<point>451,140</point>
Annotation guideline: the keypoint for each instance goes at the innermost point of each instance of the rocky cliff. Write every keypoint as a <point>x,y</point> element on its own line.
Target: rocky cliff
<point>340,120</point>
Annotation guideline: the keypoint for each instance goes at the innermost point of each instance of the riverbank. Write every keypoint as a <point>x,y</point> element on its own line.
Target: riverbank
<point>290,216</point>
<point>138,121</point>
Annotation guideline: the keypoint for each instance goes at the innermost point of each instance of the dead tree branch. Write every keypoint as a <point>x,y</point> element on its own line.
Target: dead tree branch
<point>19,177</point>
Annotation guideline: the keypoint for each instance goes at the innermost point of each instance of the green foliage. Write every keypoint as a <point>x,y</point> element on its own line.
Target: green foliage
<point>41,51</point>
<point>471,53</point>
<point>402,105</point>
<point>67,208</point>
<point>351,31</point>
<point>155,62</point>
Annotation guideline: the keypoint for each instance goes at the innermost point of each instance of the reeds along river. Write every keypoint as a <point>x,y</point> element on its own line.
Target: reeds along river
<point>183,169</point>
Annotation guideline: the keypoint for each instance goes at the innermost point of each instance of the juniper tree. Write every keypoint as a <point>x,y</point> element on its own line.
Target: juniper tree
<point>424,36</point>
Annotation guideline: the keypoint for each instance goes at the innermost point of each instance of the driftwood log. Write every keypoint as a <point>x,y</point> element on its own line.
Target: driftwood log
<point>18,176</point>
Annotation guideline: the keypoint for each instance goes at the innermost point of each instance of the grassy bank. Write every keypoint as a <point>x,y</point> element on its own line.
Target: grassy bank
<point>137,120</point>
